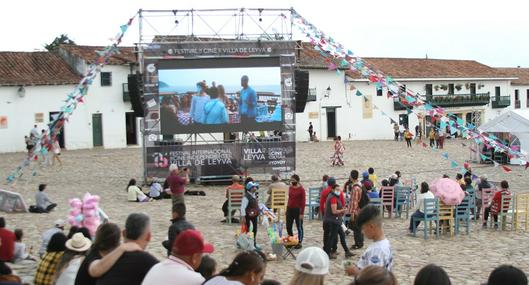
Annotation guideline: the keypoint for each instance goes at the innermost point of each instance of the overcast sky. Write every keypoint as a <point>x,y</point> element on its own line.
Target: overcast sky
<point>495,33</point>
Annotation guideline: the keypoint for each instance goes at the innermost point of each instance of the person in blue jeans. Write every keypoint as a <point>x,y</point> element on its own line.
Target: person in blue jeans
<point>419,207</point>
<point>215,109</point>
<point>248,102</point>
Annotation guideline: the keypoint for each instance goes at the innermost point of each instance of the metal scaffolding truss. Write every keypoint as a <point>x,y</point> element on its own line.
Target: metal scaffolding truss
<point>214,24</point>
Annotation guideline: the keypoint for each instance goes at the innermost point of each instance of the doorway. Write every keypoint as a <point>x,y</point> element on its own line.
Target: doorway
<point>130,126</point>
<point>97,129</point>
<point>331,122</point>
<point>60,135</point>
<point>403,120</point>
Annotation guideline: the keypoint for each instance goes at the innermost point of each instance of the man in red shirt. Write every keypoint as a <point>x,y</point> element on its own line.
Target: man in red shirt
<point>495,206</point>
<point>235,185</point>
<point>177,180</point>
<point>354,209</point>
<point>7,245</point>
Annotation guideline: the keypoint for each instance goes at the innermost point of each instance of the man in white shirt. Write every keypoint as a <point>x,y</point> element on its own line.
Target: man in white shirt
<point>179,268</point>
<point>34,133</point>
<point>419,206</point>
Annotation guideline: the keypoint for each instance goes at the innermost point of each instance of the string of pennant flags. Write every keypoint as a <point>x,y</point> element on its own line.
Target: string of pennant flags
<point>44,144</point>
<point>338,57</point>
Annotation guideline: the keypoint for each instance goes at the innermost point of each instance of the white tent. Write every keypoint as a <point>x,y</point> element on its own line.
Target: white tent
<point>12,202</point>
<point>515,122</point>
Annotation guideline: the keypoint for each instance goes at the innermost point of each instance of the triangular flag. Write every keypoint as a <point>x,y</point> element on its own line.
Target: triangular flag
<point>506,168</point>
<point>123,28</point>
<point>474,177</point>
<point>424,145</point>
<point>453,164</point>
<point>526,165</point>
<point>483,157</point>
<point>365,99</point>
<point>352,87</point>
<point>358,93</point>
<point>428,107</point>
<point>495,163</point>
<point>409,111</point>
<point>463,145</point>
<point>445,155</point>
<point>332,66</point>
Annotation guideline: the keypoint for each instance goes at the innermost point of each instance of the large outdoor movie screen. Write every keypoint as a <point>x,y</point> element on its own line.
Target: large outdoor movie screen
<point>220,95</point>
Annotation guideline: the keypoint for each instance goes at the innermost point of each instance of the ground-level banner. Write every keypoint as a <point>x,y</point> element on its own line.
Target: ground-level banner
<point>222,159</point>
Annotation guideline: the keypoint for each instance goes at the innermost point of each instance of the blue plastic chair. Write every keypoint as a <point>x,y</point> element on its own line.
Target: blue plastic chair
<point>313,201</point>
<point>402,200</point>
<point>462,214</point>
<point>431,214</point>
<point>472,200</point>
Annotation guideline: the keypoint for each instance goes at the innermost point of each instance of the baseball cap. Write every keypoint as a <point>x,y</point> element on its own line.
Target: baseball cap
<point>365,174</point>
<point>59,223</point>
<point>190,242</point>
<point>251,184</point>
<point>313,260</point>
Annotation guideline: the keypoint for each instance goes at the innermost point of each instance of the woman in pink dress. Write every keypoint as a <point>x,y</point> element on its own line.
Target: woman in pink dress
<point>337,158</point>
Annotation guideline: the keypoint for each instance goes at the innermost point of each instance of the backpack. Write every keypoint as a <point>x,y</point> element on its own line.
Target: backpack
<point>364,198</point>
<point>252,210</point>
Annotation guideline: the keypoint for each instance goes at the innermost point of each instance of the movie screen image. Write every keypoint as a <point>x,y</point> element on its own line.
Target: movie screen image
<point>220,99</point>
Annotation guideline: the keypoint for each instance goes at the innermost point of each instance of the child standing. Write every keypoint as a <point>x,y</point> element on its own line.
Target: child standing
<point>250,209</point>
<point>372,176</point>
<point>379,252</point>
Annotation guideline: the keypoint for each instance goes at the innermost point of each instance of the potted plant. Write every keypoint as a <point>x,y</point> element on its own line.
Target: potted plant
<point>467,85</point>
<point>444,87</point>
<point>436,87</point>
<point>458,87</point>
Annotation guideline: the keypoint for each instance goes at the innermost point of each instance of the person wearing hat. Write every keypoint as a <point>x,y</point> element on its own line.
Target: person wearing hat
<point>176,182</point>
<point>312,265</point>
<point>58,226</point>
<point>250,208</point>
<point>235,185</point>
<point>179,224</point>
<point>185,258</point>
<point>71,260</point>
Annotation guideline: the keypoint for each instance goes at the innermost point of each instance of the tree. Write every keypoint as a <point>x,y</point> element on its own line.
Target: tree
<point>62,39</point>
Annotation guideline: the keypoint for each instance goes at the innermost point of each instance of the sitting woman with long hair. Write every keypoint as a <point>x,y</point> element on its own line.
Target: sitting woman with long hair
<point>248,268</point>
<point>134,193</point>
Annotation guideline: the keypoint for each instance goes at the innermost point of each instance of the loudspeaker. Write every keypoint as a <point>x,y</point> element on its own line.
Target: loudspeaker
<point>135,84</point>
<point>301,81</point>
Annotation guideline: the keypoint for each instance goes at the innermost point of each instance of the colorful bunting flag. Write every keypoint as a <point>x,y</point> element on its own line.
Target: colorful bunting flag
<point>358,93</point>
<point>445,155</point>
<point>506,168</point>
<point>453,164</point>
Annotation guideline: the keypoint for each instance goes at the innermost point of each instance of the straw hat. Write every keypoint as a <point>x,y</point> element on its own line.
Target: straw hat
<point>78,243</point>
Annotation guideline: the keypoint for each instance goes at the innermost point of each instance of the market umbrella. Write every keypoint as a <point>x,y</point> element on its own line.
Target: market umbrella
<point>448,191</point>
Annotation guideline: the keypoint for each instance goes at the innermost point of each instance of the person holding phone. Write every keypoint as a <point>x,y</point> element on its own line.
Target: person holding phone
<point>177,180</point>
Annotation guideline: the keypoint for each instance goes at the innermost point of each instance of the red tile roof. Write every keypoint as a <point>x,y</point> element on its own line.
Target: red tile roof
<point>521,73</point>
<point>35,68</point>
<point>408,67</point>
<point>88,53</point>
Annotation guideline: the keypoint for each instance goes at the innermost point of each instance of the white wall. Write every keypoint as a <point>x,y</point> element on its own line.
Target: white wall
<point>349,117</point>
<point>78,130</point>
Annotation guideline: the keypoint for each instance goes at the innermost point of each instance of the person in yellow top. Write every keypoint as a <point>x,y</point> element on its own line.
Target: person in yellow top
<point>134,193</point>
<point>372,176</point>
<point>431,136</point>
<point>408,136</point>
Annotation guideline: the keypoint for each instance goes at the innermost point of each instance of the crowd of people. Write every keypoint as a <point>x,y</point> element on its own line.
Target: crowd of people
<point>119,256</point>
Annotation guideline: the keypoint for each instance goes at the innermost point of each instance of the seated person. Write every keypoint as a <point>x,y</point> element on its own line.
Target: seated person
<point>155,191</point>
<point>235,185</point>
<point>276,184</point>
<point>134,193</point>
<point>44,205</point>
<point>418,210</point>
<point>20,253</point>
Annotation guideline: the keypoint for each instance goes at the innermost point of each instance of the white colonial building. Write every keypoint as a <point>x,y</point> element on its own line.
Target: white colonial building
<point>471,90</point>
<point>520,86</point>
<point>34,85</point>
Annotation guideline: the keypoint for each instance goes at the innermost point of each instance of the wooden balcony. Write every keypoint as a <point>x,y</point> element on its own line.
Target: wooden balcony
<point>459,100</point>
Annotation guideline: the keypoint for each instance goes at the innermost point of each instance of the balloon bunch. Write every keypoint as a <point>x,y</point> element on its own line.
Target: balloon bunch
<point>85,212</point>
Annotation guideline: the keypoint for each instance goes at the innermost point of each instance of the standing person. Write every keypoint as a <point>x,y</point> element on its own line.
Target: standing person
<point>185,258</point>
<point>333,219</point>
<point>215,109</point>
<point>337,158</point>
<point>235,185</point>
<point>34,133</point>
<point>44,204</point>
<point>418,132</point>
<point>248,102</point>
<point>312,265</point>
<point>495,204</point>
<point>250,209</point>
<point>323,199</point>
<point>379,252</point>
<point>442,134</point>
<point>198,102</point>
<point>408,136</point>
<point>7,242</point>
<point>71,260</point>
<point>372,176</point>
<point>296,208</point>
<point>134,193</point>
<point>396,131</point>
<point>401,132</point>
<point>131,267</point>
<point>431,136</point>
<point>247,268</point>
<point>354,209</point>
<point>311,131</point>
<point>29,144</point>
<point>58,227</point>
<point>48,264</point>
<point>418,211</point>
<point>176,181</point>
<point>56,147</point>
<point>178,225</point>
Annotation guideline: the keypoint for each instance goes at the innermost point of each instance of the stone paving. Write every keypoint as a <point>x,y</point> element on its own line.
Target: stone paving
<point>467,259</point>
